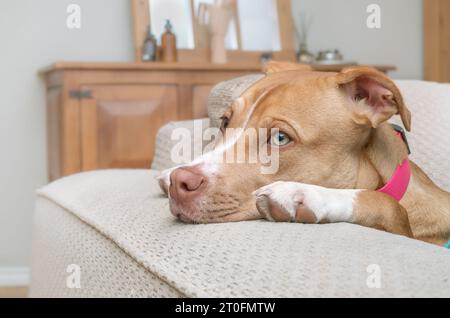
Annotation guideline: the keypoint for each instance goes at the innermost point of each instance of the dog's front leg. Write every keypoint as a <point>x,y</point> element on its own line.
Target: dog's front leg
<point>303,203</point>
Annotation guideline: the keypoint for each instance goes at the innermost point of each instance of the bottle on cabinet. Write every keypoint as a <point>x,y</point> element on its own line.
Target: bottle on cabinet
<point>168,44</point>
<point>150,47</point>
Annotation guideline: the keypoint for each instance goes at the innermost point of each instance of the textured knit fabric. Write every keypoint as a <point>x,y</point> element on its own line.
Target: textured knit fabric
<point>118,228</point>
<point>61,239</point>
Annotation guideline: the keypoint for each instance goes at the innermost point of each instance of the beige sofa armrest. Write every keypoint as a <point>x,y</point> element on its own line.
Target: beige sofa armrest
<point>168,137</point>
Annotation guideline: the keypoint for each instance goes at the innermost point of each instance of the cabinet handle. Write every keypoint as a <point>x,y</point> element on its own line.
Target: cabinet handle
<point>80,94</point>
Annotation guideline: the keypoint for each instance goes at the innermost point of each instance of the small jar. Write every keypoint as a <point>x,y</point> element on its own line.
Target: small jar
<point>150,48</point>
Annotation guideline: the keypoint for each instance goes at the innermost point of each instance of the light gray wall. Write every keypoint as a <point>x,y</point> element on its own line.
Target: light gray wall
<point>342,24</point>
<point>33,34</point>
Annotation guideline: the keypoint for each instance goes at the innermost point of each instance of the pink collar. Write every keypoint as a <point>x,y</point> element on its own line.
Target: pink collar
<point>397,186</point>
<point>399,182</point>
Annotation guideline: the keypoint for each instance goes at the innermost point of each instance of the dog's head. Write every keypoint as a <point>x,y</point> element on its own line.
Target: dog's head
<point>314,124</point>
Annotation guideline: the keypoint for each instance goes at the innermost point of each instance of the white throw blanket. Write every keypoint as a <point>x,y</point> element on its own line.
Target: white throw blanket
<point>247,259</point>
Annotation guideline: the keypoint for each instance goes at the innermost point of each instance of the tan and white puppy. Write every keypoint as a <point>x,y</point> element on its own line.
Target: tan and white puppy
<point>335,149</point>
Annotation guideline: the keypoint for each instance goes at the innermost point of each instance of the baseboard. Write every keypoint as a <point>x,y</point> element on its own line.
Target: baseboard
<point>14,276</point>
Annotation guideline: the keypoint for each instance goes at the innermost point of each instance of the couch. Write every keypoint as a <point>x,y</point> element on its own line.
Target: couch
<point>115,227</point>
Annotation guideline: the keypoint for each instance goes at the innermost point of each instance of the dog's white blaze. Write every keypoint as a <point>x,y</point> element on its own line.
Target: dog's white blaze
<point>211,161</point>
<point>334,205</point>
<point>240,102</point>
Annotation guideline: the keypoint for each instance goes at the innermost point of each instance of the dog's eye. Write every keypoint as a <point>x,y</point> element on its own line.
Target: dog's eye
<point>225,122</point>
<point>280,139</point>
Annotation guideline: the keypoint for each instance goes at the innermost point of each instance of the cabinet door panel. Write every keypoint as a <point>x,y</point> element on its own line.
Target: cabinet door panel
<point>120,123</point>
<point>54,131</point>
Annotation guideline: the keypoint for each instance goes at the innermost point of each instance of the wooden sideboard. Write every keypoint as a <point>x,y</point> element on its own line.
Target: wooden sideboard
<point>107,115</point>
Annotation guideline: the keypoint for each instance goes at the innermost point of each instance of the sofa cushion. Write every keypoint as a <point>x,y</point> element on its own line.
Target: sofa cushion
<point>246,259</point>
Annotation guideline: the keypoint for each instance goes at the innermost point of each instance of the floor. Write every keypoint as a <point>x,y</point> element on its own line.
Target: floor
<point>13,292</point>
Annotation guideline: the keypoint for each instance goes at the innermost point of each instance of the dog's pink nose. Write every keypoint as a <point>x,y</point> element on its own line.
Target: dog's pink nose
<point>186,183</point>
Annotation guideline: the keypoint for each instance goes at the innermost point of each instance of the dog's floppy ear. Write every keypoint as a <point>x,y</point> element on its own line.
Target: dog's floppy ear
<point>276,66</point>
<point>376,96</point>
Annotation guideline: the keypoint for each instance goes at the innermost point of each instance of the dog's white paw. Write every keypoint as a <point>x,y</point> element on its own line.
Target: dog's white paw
<point>285,202</point>
<point>304,203</point>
